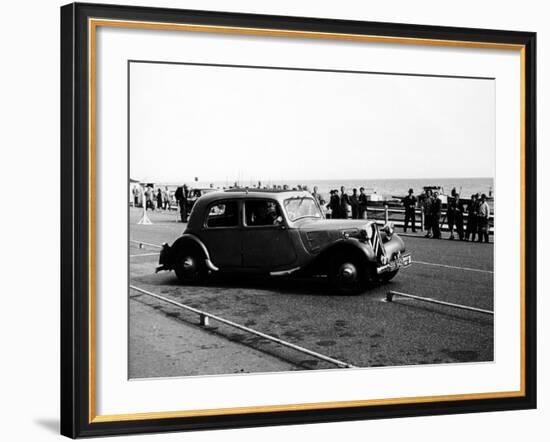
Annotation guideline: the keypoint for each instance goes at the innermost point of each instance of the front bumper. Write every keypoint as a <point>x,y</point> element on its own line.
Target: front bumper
<point>400,260</point>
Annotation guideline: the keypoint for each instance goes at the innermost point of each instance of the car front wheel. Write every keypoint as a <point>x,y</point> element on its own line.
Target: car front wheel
<point>387,276</point>
<point>348,275</point>
<point>189,267</point>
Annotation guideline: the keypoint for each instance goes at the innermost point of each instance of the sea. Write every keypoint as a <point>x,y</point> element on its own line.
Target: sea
<point>387,188</point>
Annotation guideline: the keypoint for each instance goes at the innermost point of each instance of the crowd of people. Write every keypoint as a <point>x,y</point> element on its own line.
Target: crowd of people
<point>343,205</point>
<point>159,199</point>
<point>477,209</point>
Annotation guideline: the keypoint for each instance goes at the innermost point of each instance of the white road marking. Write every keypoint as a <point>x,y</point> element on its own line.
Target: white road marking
<point>469,269</point>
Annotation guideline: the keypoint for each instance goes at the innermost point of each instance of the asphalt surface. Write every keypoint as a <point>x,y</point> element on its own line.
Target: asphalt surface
<point>363,330</point>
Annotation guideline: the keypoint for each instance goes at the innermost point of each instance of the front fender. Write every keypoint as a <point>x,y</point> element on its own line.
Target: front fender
<point>394,245</point>
<point>345,246</point>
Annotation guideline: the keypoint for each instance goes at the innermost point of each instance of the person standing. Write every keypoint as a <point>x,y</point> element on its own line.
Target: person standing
<point>149,197</point>
<point>471,226</point>
<point>459,218</point>
<point>181,198</point>
<point>335,204</point>
<point>159,199</point>
<point>345,203</point>
<point>354,200</point>
<point>451,213</point>
<point>136,191</point>
<point>317,196</point>
<point>427,204</point>
<point>409,202</point>
<point>483,220</point>
<point>166,198</point>
<point>436,215</point>
<point>362,203</point>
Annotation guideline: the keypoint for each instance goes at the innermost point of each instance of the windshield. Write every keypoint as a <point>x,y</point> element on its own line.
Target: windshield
<point>302,207</point>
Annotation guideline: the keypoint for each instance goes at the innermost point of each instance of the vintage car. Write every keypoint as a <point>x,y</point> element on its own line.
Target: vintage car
<point>195,193</point>
<point>282,233</point>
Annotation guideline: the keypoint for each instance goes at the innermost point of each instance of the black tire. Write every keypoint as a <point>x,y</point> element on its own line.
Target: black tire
<point>348,274</point>
<point>189,266</point>
<point>388,276</point>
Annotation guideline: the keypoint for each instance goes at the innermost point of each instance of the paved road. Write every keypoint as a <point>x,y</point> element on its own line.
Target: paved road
<point>363,330</point>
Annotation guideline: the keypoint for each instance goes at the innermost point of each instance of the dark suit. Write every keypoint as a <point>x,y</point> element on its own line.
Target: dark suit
<point>181,197</point>
<point>335,206</point>
<point>362,206</point>
<point>344,204</point>
<point>409,202</point>
<point>471,227</point>
<point>354,199</point>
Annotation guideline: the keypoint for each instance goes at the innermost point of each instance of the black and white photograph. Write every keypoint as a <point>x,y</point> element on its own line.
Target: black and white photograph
<point>284,219</point>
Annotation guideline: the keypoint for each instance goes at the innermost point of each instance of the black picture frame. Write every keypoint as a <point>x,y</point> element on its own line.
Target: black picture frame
<point>75,220</point>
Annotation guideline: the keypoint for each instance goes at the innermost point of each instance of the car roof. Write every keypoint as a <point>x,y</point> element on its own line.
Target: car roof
<point>205,200</point>
<point>278,195</point>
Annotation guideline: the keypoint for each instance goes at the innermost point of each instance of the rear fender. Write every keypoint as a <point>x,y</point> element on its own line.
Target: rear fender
<point>169,254</point>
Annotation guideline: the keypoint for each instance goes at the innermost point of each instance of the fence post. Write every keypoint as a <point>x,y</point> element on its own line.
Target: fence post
<point>386,214</point>
<point>422,219</point>
<point>204,320</point>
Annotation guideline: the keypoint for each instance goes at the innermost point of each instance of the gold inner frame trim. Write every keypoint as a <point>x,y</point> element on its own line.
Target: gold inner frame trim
<point>92,28</point>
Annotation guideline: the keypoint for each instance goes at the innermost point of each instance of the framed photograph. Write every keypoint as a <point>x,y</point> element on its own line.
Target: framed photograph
<point>275,220</point>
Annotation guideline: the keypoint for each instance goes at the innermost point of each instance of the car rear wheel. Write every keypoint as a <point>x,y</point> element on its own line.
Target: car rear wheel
<point>189,267</point>
<point>348,275</point>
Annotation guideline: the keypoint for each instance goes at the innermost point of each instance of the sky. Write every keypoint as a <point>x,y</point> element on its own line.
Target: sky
<point>226,124</point>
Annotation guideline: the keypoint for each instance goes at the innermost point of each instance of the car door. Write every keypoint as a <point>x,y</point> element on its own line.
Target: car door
<point>221,233</point>
<point>266,240</point>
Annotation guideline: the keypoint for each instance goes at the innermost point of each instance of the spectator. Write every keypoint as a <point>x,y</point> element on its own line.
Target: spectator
<point>483,220</point>
<point>409,202</point>
<point>436,216</point>
<point>334,204</point>
<point>181,197</point>
<point>159,199</point>
<point>354,201</point>
<point>317,196</point>
<point>362,203</point>
<point>149,198</point>
<point>471,227</point>
<point>427,208</point>
<point>345,203</point>
<point>166,198</point>
<point>455,217</point>
<point>451,211</point>
<point>136,191</point>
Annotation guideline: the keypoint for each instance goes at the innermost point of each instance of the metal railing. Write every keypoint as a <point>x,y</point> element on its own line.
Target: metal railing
<point>391,294</point>
<point>387,212</point>
<point>204,318</point>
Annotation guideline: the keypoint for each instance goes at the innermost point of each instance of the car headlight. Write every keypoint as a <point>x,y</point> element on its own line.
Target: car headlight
<point>365,233</point>
<point>388,230</point>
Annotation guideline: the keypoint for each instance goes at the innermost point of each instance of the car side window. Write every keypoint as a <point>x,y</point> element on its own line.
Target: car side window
<point>262,213</point>
<point>223,214</point>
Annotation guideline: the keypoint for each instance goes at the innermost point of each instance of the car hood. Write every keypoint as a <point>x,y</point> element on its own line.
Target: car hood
<point>317,234</point>
<point>310,225</point>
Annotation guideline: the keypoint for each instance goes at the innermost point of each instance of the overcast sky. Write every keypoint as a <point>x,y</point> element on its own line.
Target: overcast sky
<point>222,123</point>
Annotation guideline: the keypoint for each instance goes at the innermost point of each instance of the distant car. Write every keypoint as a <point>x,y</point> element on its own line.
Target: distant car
<point>196,193</point>
<point>282,233</point>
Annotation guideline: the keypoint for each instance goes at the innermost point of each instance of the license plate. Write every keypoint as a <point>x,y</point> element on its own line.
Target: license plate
<point>406,260</point>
